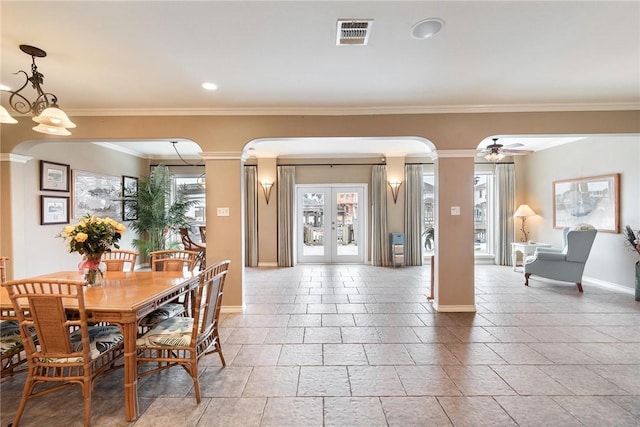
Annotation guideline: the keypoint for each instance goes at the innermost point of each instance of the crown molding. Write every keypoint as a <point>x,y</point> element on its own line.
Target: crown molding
<point>14,158</point>
<point>355,111</point>
<point>223,155</point>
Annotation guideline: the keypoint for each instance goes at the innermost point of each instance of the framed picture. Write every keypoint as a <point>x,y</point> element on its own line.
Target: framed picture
<point>96,194</point>
<point>54,210</point>
<point>593,200</point>
<point>129,189</point>
<point>54,176</point>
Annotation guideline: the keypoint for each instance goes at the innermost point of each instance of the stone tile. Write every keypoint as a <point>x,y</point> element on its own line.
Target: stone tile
<point>537,411</point>
<point>626,377</point>
<point>435,334</point>
<point>530,381</point>
<point>596,411</point>
<point>397,334</point>
<point>509,334</point>
<point>475,411</point>
<point>360,335</point>
<point>224,382</point>
<point>353,412</point>
<point>324,381</point>
<point>582,381</point>
<point>431,354</point>
<point>269,381</point>
<point>257,355</point>
<point>224,412</point>
<point>474,354</point>
<point>413,412</point>
<point>472,334</point>
<point>344,354</point>
<point>351,308</point>
<point>293,412</point>
<point>284,336</point>
<point>375,381</point>
<point>345,319</point>
<point>628,403</point>
<point>322,335</point>
<point>426,381</point>
<point>387,354</point>
<point>247,336</point>
<point>519,354</point>
<point>303,320</point>
<point>562,353</point>
<point>477,381</point>
<point>321,308</point>
<point>300,354</point>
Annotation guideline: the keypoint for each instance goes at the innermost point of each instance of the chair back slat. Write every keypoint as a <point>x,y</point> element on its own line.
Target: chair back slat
<point>49,319</point>
<point>3,269</point>
<point>209,298</point>
<point>120,259</point>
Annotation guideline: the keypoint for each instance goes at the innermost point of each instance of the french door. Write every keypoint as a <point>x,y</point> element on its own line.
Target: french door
<point>330,223</point>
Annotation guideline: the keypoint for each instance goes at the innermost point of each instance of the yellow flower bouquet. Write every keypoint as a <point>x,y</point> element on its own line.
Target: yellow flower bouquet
<point>91,237</point>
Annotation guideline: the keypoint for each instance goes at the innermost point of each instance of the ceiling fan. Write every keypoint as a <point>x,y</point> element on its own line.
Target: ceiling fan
<point>496,152</point>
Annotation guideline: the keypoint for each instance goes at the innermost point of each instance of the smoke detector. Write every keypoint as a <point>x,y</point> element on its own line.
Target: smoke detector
<point>353,32</point>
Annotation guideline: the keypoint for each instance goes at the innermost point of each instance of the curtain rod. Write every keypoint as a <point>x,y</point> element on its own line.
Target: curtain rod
<point>332,164</point>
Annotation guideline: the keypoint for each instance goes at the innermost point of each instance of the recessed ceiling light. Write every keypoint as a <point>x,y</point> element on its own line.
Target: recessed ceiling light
<point>209,86</point>
<point>427,28</point>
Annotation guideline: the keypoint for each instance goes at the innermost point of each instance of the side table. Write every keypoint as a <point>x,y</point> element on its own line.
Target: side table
<point>525,248</point>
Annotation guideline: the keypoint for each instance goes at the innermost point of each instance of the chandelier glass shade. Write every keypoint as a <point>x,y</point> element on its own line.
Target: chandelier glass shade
<point>52,120</point>
<point>494,156</point>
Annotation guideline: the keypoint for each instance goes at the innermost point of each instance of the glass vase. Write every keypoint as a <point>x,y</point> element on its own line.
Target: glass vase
<point>93,269</point>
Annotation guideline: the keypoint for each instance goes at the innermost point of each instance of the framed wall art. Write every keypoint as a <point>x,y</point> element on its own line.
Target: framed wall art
<point>54,210</point>
<point>54,176</point>
<point>592,200</point>
<point>96,194</point>
<point>129,190</point>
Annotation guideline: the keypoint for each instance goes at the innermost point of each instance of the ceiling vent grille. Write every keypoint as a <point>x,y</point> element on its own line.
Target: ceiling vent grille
<point>353,32</point>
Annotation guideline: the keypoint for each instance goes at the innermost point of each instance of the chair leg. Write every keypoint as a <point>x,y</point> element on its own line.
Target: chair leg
<point>526,278</point>
<point>579,285</point>
<point>86,391</point>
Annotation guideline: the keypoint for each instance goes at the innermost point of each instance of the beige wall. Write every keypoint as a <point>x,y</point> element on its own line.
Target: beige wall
<point>268,214</point>
<point>222,139</point>
<point>610,262</point>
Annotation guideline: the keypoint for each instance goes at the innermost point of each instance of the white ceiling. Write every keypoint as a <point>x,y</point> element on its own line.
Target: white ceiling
<point>150,57</point>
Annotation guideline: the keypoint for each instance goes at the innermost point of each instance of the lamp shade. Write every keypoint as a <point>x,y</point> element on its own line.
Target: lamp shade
<point>51,130</point>
<point>5,117</point>
<point>523,211</point>
<point>53,116</point>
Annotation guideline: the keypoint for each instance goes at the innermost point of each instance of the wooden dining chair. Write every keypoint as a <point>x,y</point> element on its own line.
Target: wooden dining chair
<point>173,260</point>
<point>182,341</point>
<point>67,350</point>
<point>190,245</point>
<point>168,260</point>
<point>120,260</point>
<point>203,233</point>
<point>12,355</point>
<point>3,268</point>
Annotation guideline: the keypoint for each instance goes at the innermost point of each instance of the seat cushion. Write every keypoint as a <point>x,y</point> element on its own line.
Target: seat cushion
<point>102,338</point>
<point>165,312</point>
<point>174,332</point>
<point>10,340</point>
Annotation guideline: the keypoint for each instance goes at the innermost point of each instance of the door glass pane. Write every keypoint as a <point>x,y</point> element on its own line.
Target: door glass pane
<point>313,222</point>
<point>346,223</point>
<point>481,213</point>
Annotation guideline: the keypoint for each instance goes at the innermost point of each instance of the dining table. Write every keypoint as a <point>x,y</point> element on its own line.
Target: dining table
<point>123,299</point>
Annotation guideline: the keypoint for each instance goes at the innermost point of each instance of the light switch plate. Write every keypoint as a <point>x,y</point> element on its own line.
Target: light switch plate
<point>223,211</point>
<point>455,210</point>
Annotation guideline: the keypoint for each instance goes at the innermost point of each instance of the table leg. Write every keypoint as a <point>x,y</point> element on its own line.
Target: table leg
<point>514,258</point>
<point>130,332</point>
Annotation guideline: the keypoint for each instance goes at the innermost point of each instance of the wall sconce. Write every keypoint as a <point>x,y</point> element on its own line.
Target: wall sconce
<point>266,187</point>
<point>523,212</point>
<point>395,187</point>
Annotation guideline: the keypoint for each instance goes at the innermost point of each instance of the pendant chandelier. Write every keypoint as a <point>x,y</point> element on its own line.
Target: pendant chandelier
<point>50,118</point>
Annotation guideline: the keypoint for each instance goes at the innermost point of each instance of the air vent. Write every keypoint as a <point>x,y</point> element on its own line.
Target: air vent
<point>353,32</point>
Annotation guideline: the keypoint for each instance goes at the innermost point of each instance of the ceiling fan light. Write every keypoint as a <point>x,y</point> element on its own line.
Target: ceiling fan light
<point>51,130</point>
<point>5,117</point>
<point>494,156</point>
<point>53,116</point>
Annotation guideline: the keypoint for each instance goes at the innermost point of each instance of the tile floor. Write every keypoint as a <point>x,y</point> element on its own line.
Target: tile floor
<point>360,346</point>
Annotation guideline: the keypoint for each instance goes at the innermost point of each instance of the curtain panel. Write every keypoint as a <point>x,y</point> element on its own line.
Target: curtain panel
<point>286,199</point>
<point>251,216</point>
<point>413,214</point>
<point>379,230</point>
<point>505,200</point>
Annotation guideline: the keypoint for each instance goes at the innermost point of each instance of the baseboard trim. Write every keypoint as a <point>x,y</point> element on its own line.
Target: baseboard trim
<point>608,285</point>
<point>267,264</point>
<point>454,308</point>
<point>231,309</point>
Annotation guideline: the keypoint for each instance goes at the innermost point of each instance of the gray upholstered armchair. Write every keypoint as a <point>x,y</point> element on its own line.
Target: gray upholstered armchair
<point>566,264</point>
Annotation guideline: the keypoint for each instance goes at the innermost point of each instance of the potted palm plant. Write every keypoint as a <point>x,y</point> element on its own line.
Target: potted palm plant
<point>154,212</point>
